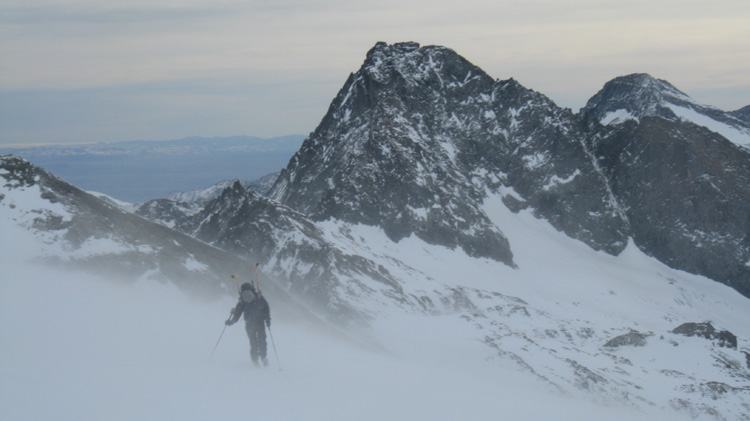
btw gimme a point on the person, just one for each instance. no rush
(257, 313)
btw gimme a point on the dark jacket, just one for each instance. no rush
(255, 310)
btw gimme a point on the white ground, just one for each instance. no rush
(77, 347)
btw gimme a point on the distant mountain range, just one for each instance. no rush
(137, 171)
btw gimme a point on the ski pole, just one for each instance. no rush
(217, 342)
(231, 313)
(274, 347)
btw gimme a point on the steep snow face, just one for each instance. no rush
(636, 96)
(738, 134)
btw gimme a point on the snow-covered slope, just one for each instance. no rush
(126, 206)
(553, 317)
(142, 352)
(76, 230)
(582, 323)
(569, 334)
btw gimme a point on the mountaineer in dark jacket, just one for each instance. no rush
(257, 313)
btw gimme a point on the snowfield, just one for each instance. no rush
(81, 348)
(78, 347)
(569, 333)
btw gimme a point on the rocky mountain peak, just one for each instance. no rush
(17, 170)
(416, 138)
(385, 153)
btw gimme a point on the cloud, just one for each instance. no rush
(296, 54)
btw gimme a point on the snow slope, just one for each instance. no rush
(80, 348)
(739, 135)
(456, 337)
(92, 349)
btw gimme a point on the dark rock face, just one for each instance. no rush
(417, 138)
(553, 170)
(742, 114)
(382, 155)
(685, 191)
(706, 330)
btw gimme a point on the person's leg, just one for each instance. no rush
(253, 336)
(262, 344)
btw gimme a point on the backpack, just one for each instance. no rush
(248, 296)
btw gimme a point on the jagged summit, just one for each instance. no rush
(434, 66)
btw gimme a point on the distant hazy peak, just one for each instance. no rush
(634, 97)
(640, 95)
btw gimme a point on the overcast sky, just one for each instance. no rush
(77, 71)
